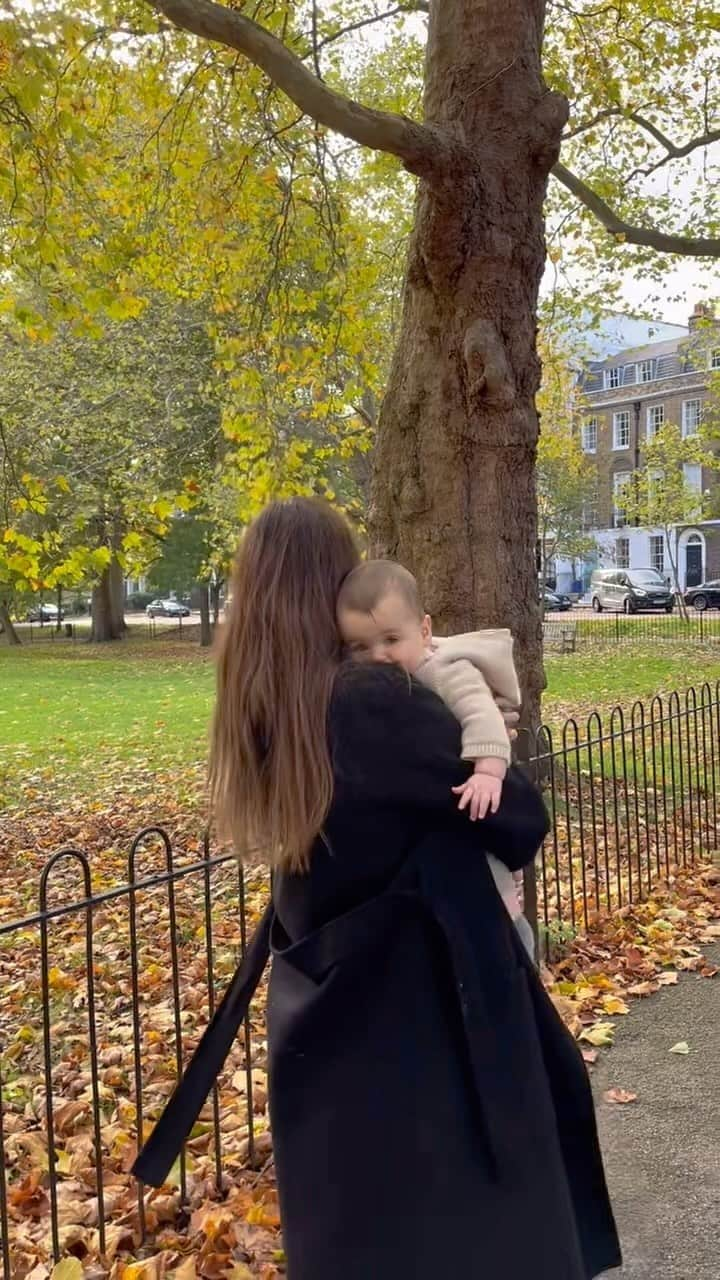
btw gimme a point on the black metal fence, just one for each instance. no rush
(569, 632)
(105, 989)
(631, 795)
(78, 630)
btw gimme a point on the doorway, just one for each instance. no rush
(693, 561)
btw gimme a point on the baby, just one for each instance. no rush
(382, 620)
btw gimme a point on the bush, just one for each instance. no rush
(139, 600)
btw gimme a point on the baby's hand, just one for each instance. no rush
(481, 793)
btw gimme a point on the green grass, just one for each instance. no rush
(85, 717)
(84, 720)
(620, 675)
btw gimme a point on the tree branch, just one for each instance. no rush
(422, 149)
(672, 150)
(691, 246)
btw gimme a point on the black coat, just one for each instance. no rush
(431, 1115)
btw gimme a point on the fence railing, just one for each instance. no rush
(630, 795)
(589, 632)
(105, 989)
(74, 630)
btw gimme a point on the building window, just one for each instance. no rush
(589, 514)
(657, 553)
(622, 553)
(590, 435)
(621, 430)
(655, 419)
(612, 378)
(691, 416)
(646, 371)
(715, 359)
(621, 479)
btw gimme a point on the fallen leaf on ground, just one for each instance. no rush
(681, 1047)
(668, 979)
(67, 1269)
(600, 1034)
(621, 1096)
(590, 1056)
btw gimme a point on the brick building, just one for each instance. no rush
(629, 395)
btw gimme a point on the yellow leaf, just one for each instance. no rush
(187, 1271)
(682, 1048)
(67, 1269)
(600, 1034)
(614, 1005)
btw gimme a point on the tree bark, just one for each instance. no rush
(117, 597)
(205, 624)
(108, 621)
(454, 489)
(215, 589)
(7, 626)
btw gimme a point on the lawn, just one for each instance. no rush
(83, 720)
(580, 683)
(88, 720)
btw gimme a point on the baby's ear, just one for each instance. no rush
(427, 629)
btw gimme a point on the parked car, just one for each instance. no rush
(556, 602)
(630, 591)
(706, 596)
(45, 613)
(167, 609)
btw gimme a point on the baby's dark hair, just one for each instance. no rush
(366, 585)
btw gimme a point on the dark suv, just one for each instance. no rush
(630, 591)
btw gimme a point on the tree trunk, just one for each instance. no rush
(454, 489)
(107, 617)
(6, 624)
(117, 597)
(674, 572)
(205, 625)
(215, 589)
(58, 601)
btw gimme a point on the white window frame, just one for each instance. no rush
(612, 378)
(715, 359)
(652, 429)
(696, 469)
(621, 413)
(643, 367)
(619, 517)
(622, 562)
(687, 429)
(657, 563)
(589, 426)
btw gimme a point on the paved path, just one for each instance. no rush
(663, 1152)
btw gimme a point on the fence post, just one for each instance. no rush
(617, 628)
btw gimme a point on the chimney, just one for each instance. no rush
(703, 314)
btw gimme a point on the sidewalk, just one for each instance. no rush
(663, 1151)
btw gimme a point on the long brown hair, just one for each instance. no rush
(271, 776)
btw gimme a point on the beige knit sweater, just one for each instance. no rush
(469, 672)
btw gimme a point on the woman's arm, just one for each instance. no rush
(397, 743)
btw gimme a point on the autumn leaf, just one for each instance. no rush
(620, 1096)
(67, 1269)
(682, 1048)
(614, 1005)
(600, 1034)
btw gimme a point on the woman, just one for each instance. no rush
(430, 1113)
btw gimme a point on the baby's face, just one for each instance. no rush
(391, 633)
